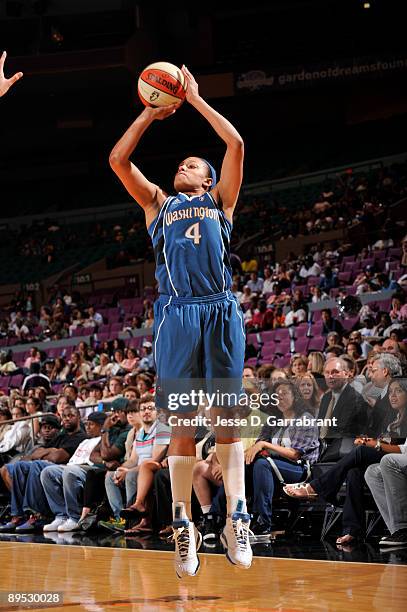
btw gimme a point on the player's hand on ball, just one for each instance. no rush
(161, 112)
(5, 84)
(192, 92)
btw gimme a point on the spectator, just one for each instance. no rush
(383, 368)
(7, 365)
(35, 379)
(352, 467)
(148, 322)
(17, 439)
(235, 290)
(104, 369)
(147, 360)
(33, 408)
(118, 432)
(5, 415)
(298, 364)
(344, 403)
(268, 283)
(309, 391)
(295, 447)
(27, 493)
(365, 347)
(131, 393)
(63, 484)
(59, 371)
(315, 362)
(318, 295)
(78, 369)
(255, 283)
(247, 295)
(130, 362)
(94, 317)
(384, 479)
(329, 280)
(151, 442)
(262, 318)
(296, 315)
(34, 357)
(329, 323)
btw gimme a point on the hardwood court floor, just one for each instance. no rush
(109, 579)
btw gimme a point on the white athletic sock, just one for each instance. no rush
(206, 509)
(181, 483)
(231, 459)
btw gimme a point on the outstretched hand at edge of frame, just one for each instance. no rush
(5, 84)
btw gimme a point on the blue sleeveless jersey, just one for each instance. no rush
(191, 241)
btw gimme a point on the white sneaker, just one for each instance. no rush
(69, 525)
(58, 520)
(187, 542)
(235, 539)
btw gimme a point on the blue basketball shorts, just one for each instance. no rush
(199, 346)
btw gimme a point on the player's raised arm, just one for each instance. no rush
(231, 175)
(5, 84)
(146, 193)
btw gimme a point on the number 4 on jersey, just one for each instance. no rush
(193, 233)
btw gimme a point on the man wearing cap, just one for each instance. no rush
(147, 361)
(112, 450)
(63, 484)
(28, 502)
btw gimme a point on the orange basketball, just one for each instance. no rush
(161, 84)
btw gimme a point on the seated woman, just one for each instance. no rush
(17, 439)
(290, 447)
(309, 391)
(352, 467)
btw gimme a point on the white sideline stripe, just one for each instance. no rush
(240, 317)
(165, 255)
(159, 215)
(221, 240)
(159, 329)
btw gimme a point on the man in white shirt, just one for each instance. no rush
(63, 484)
(255, 283)
(387, 481)
(268, 283)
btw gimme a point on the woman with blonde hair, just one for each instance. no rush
(309, 391)
(316, 362)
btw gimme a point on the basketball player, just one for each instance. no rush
(5, 84)
(199, 332)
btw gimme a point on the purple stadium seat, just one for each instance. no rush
(283, 347)
(316, 329)
(252, 339)
(348, 258)
(394, 252)
(268, 336)
(16, 381)
(103, 337)
(116, 328)
(379, 254)
(317, 343)
(344, 277)
(135, 342)
(349, 323)
(301, 330)
(301, 345)
(282, 334)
